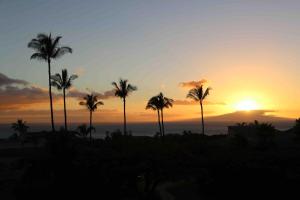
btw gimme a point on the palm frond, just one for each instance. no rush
(38, 56)
(57, 77)
(164, 102)
(131, 88)
(153, 103)
(34, 44)
(193, 94)
(56, 41)
(91, 102)
(64, 75)
(168, 102)
(73, 77)
(82, 103)
(99, 103)
(42, 36)
(206, 93)
(56, 84)
(200, 91)
(123, 83)
(123, 89)
(150, 106)
(59, 52)
(116, 87)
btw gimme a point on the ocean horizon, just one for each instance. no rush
(145, 128)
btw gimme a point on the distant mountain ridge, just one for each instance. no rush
(244, 116)
(248, 116)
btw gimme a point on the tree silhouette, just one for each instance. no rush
(21, 127)
(91, 102)
(163, 102)
(123, 90)
(63, 82)
(47, 48)
(153, 104)
(197, 94)
(84, 130)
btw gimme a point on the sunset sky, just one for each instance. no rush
(247, 51)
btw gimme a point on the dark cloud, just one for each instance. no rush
(79, 94)
(76, 94)
(5, 81)
(190, 84)
(13, 97)
(107, 94)
(188, 102)
(16, 94)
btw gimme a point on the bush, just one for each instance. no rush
(296, 128)
(239, 140)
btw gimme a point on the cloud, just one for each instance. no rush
(76, 93)
(13, 97)
(4, 81)
(189, 102)
(107, 94)
(15, 93)
(79, 94)
(190, 84)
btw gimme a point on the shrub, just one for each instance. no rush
(296, 128)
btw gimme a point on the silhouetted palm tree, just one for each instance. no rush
(84, 130)
(63, 82)
(197, 94)
(21, 127)
(91, 102)
(163, 102)
(153, 104)
(47, 48)
(123, 90)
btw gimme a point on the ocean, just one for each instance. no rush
(144, 129)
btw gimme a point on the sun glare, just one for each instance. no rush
(247, 105)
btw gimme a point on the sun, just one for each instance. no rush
(247, 105)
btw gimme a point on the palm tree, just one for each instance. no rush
(63, 82)
(197, 94)
(91, 102)
(123, 90)
(21, 127)
(153, 104)
(163, 102)
(47, 48)
(84, 130)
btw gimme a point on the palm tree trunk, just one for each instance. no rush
(162, 123)
(202, 117)
(91, 113)
(159, 125)
(50, 95)
(124, 107)
(65, 109)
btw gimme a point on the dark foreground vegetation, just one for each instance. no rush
(262, 164)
